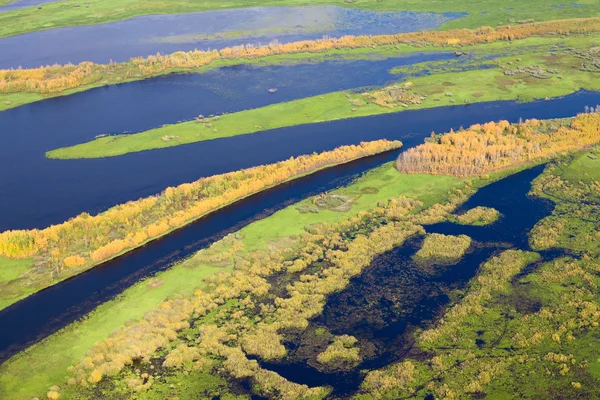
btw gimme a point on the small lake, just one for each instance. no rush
(147, 35)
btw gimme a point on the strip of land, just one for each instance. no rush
(61, 251)
(528, 69)
(58, 80)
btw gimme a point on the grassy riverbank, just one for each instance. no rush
(478, 77)
(488, 12)
(32, 372)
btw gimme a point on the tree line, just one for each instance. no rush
(87, 240)
(481, 149)
(58, 78)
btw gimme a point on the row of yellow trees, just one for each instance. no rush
(86, 240)
(56, 78)
(494, 146)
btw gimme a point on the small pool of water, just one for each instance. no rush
(146, 35)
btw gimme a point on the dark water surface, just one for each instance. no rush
(23, 4)
(147, 35)
(384, 305)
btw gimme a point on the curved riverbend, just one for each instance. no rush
(147, 35)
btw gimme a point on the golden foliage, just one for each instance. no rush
(74, 261)
(341, 354)
(123, 227)
(442, 249)
(495, 146)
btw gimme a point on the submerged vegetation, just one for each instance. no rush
(242, 315)
(526, 333)
(64, 250)
(489, 12)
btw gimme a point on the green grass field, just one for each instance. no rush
(476, 85)
(485, 12)
(585, 167)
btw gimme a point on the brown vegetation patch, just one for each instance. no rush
(395, 96)
(369, 190)
(334, 202)
(154, 283)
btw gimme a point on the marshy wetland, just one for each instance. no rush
(326, 200)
